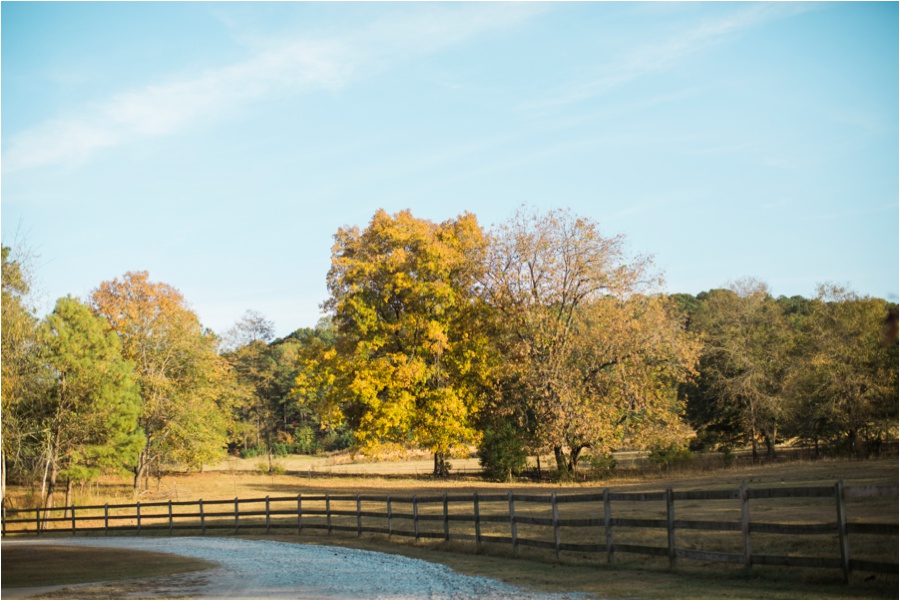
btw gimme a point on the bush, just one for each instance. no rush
(282, 449)
(305, 442)
(671, 456)
(501, 452)
(250, 452)
(603, 465)
(337, 440)
(274, 469)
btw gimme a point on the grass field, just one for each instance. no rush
(630, 576)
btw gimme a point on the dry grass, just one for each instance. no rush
(46, 565)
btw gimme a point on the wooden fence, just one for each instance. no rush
(524, 520)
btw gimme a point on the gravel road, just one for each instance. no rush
(275, 570)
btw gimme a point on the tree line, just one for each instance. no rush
(539, 336)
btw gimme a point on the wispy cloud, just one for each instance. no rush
(654, 57)
(290, 67)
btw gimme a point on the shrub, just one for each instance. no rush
(305, 442)
(501, 452)
(250, 452)
(337, 440)
(671, 456)
(603, 465)
(274, 469)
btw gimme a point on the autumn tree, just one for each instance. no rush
(254, 368)
(747, 351)
(19, 366)
(180, 375)
(590, 354)
(845, 388)
(402, 295)
(91, 406)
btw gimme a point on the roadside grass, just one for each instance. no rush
(630, 576)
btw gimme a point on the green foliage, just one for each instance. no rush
(602, 464)
(501, 452)
(184, 384)
(251, 452)
(92, 404)
(671, 456)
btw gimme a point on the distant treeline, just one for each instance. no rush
(539, 336)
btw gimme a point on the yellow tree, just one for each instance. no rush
(589, 358)
(20, 377)
(402, 292)
(177, 369)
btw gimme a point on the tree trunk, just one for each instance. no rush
(562, 466)
(770, 446)
(68, 497)
(441, 465)
(139, 470)
(2, 478)
(573, 458)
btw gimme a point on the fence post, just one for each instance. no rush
(37, 520)
(607, 524)
(138, 510)
(299, 513)
(745, 525)
(555, 507)
(670, 525)
(106, 518)
(237, 523)
(170, 517)
(842, 529)
(202, 518)
(416, 516)
(73, 519)
(390, 513)
(328, 512)
(268, 521)
(446, 520)
(477, 520)
(512, 522)
(358, 516)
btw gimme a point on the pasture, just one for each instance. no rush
(630, 576)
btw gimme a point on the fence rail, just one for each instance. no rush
(495, 519)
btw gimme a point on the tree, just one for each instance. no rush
(400, 292)
(90, 411)
(19, 367)
(254, 367)
(251, 327)
(589, 358)
(845, 387)
(748, 347)
(181, 377)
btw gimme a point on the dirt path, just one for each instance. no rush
(275, 570)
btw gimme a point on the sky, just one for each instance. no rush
(219, 146)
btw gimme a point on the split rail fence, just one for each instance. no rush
(531, 520)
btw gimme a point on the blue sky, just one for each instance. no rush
(219, 146)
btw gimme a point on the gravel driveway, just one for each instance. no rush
(253, 569)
